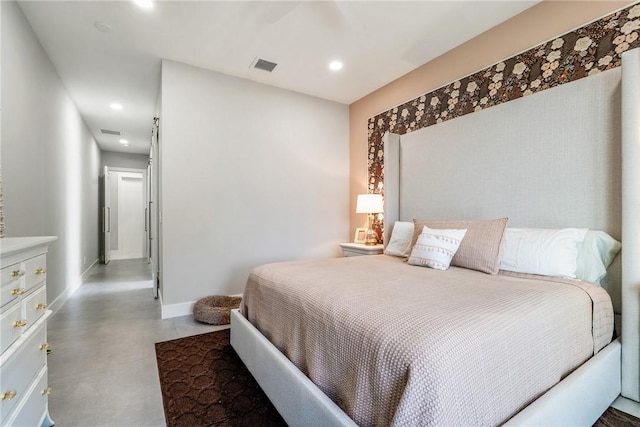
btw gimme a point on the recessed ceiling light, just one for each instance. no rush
(145, 4)
(335, 65)
(102, 26)
(116, 106)
(124, 142)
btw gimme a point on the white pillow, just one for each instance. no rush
(540, 251)
(595, 255)
(435, 248)
(400, 241)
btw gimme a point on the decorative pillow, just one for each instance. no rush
(547, 252)
(482, 244)
(400, 241)
(595, 255)
(436, 248)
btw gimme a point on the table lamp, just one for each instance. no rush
(370, 204)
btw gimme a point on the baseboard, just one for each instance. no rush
(57, 303)
(628, 406)
(121, 257)
(176, 310)
(86, 273)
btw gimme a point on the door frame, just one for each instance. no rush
(145, 200)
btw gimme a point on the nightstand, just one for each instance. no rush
(358, 249)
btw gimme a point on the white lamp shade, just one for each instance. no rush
(369, 203)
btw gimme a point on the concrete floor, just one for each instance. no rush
(103, 371)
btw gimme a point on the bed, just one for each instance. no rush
(402, 342)
(584, 135)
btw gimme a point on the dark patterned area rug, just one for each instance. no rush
(204, 383)
(615, 418)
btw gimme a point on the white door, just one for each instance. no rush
(130, 216)
(106, 217)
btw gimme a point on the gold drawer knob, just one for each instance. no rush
(46, 391)
(9, 395)
(17, 273)
(41, 306)
(19, 323)
(44, 346)
(41, 271)
(18, 291)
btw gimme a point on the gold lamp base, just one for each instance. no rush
(371, 238)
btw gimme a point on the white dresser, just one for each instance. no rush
(23, 332)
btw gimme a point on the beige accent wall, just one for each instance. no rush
(536, 25)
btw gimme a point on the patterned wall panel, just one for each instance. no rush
(591, 49)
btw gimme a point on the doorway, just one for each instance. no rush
(126, 200)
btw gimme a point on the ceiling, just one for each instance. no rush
(378, 41)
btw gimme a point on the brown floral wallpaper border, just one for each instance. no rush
(591, 49)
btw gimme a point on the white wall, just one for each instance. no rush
(250, 174)
(50, 161)
(116, 159)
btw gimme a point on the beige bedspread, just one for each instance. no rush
(394, 344)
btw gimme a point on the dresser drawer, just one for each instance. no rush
(10, 292)
(20, 370)
(9, 327)
(11, 273)
(10, 281)
(35, 305)
(36, 271)
(32, 411)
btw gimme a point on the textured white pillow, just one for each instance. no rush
(547, 252)
(595, 255)
(435, 248)
(400, 241)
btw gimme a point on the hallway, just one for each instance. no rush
(103, 371)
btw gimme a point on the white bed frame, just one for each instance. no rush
(613, 205)
(578, 400)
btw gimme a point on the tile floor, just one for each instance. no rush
(103, 371)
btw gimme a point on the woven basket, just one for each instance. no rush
(216, 309)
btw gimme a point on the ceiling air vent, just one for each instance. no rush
(262, 64)
(110, 132)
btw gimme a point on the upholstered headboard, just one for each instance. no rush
(552, 159)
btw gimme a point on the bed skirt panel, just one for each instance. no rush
(579, 399)
(295, 397)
